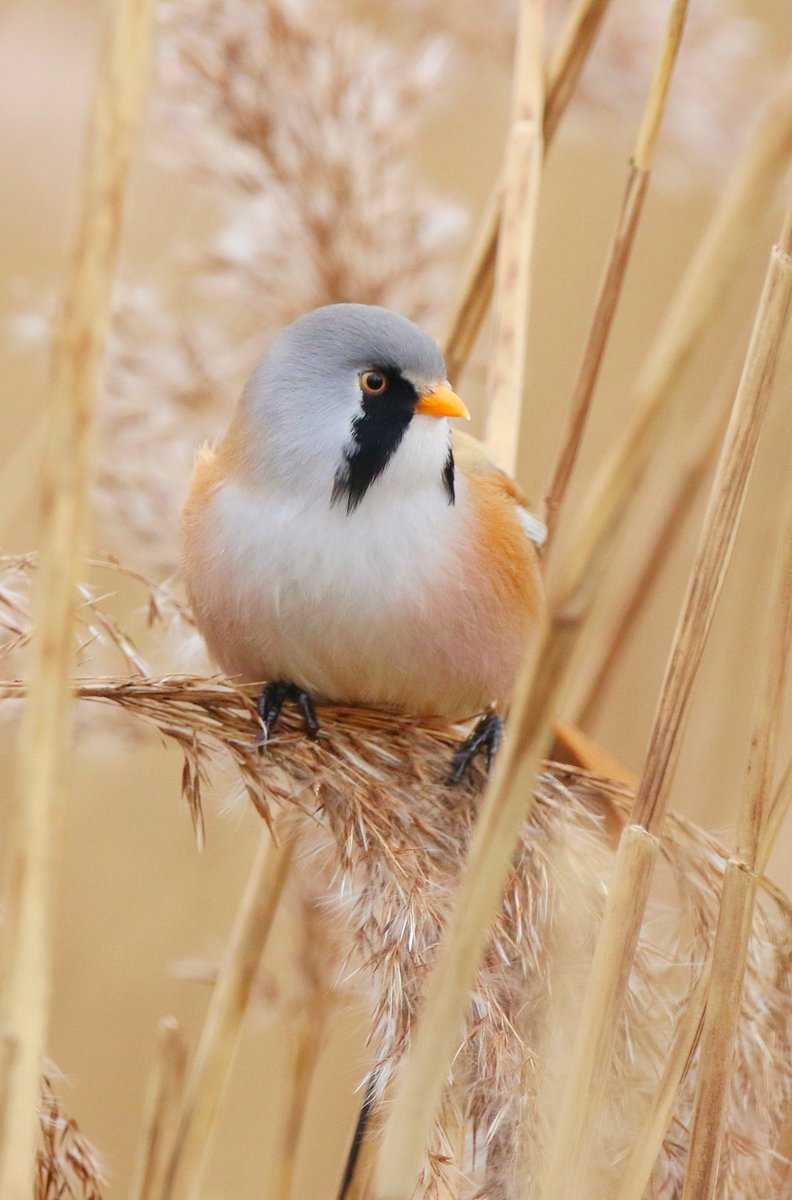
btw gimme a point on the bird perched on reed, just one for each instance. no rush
(341, 544)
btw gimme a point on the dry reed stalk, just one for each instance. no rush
(615, 267)
(697, 299)
(309, 1045)
(739, 885)
(161, 1109)
(720, 1020)
(522, 173)
(608, 636)
(506, 804)
(720, 527)
(220, 1035)
(563, 72)
(779, 807)
(475, 290)
(590, 1060)
(649, 1143)
(597, 1029)
(7, 1056)
(67, 1166)
(569, 58)
(318, 960)
(392, 841)
(45, 735)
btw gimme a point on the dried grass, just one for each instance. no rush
(67, 1166)
(485, 927)
(38, 798)
(374, 813)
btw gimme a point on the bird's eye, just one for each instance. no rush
(373, 383)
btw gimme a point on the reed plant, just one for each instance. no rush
(573, 992)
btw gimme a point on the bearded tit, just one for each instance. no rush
(342, 543)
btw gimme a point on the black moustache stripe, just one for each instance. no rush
(376, 436)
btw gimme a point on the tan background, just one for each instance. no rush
(135, 895)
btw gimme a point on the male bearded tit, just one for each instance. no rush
(342, 543)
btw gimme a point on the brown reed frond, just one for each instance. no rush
(373, 809)
(67, 1166)
(100, 638)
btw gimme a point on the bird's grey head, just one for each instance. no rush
(344, 393)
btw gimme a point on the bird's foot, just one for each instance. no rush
(272, 700)
(487, 737)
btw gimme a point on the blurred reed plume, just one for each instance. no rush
(571, 991)
(316, 200)
(67, 1166)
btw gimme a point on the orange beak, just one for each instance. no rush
(442, 402)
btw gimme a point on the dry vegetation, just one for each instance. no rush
(573, 991)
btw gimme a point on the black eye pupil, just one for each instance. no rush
(373, 381)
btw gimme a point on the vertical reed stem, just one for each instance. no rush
(698, 297)
(159, 1118)
(522, 178)
(574, 46)
(615, 266)
(424, 1070)
(739, 890)
(220, 1036)
(649, 1143)
(607, 639)
(615, 950)
(45, 737)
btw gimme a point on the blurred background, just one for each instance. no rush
(136, 896)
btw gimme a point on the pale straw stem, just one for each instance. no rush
(424, 1071)
(217, 1047)
(615, 268)
(697, 300)
(43, 759)
(522, 179)
(613, 622)
(615, 950)
(641, 1162)
(568, 60)
(739, 889)
(161, 1109)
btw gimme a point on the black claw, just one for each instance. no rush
(487, 737)
(272, 700)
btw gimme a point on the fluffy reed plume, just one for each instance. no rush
(724, 60)
(67, 1166)
(102, 642)
(373, 809)
(317, 201)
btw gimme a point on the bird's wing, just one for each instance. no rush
(472, 458)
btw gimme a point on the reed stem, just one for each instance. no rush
(613, 623)
(563, 72)
(739, 889)
(615, 268)
(616, 944)
(44, 752)
(698, 298)
(507, 801)
(220, 1036)
(162, 1105)
(517, 234)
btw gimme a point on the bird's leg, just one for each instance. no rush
(486, 736)
(272, 700)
